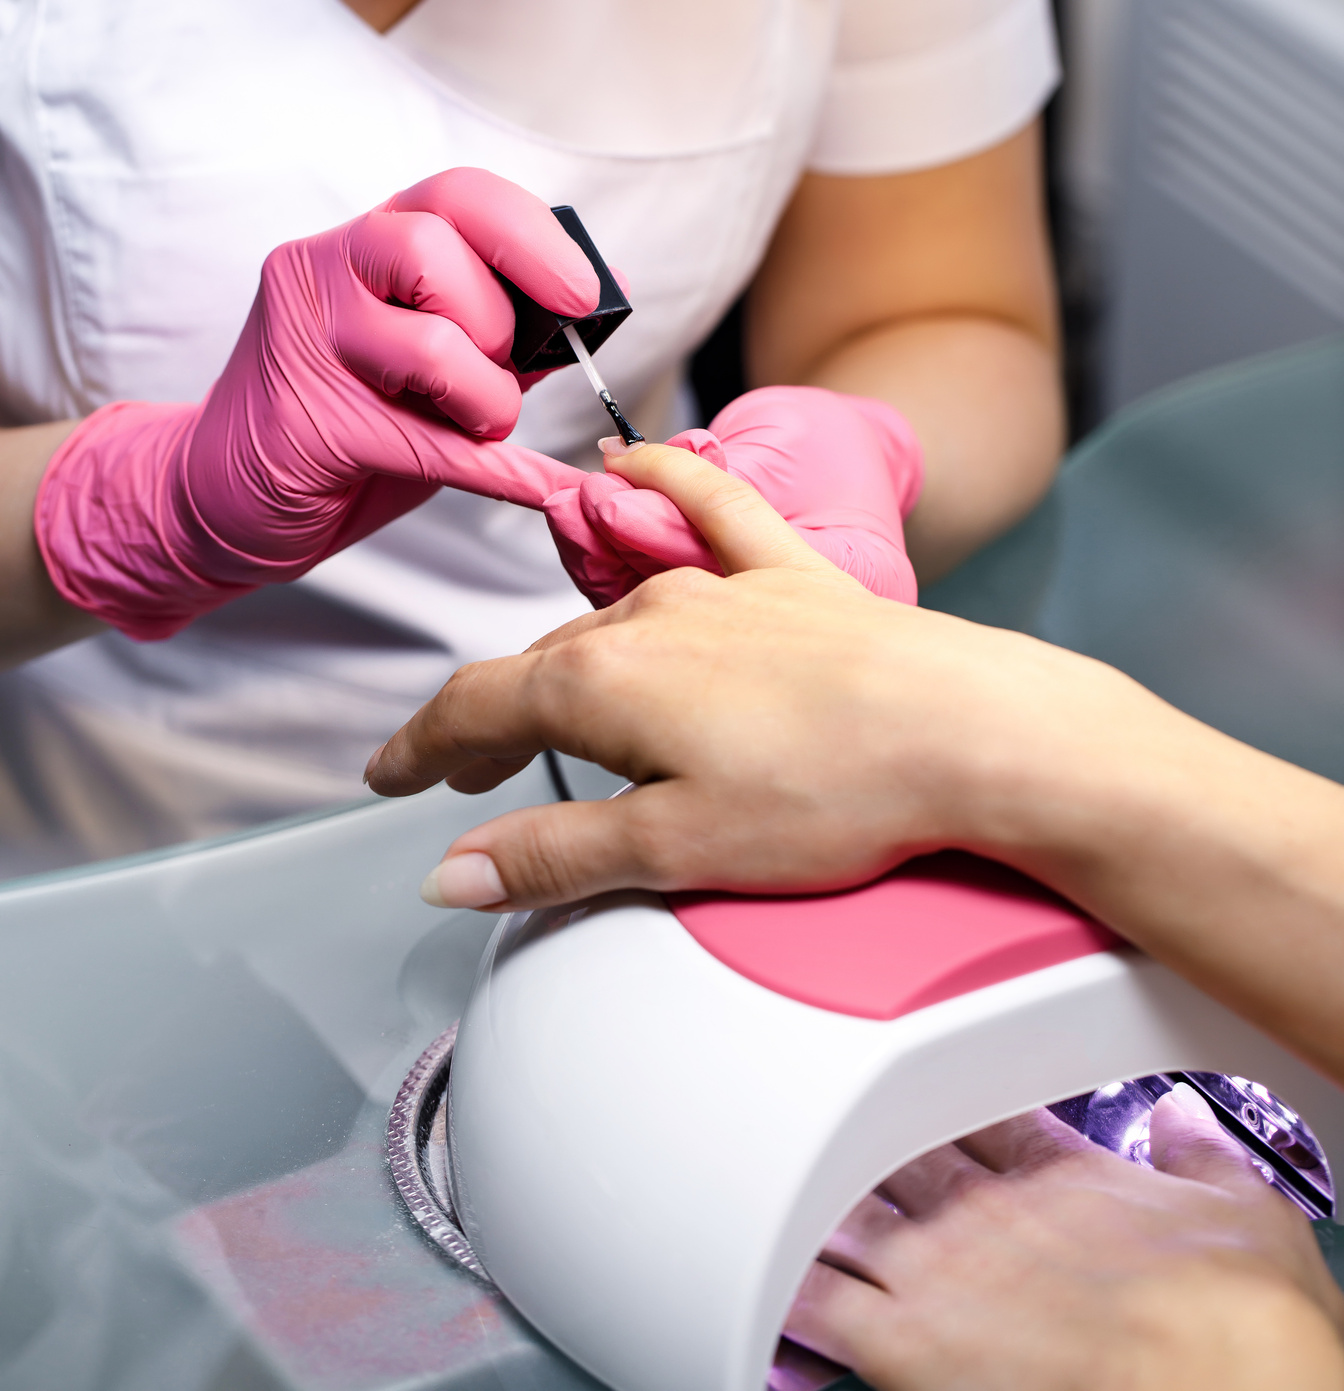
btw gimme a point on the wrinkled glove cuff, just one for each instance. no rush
(106, 518)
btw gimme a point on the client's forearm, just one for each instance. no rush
(984, 398)
(33, 616)
(1216, 858)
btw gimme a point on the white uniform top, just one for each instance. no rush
(153, 151)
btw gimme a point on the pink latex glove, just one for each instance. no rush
(331, 417)
(843, 470)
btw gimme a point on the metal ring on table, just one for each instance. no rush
(417, 1151)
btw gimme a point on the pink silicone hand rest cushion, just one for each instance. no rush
(937, 927)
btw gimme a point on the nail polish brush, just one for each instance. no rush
(543, 339)
(628, 432)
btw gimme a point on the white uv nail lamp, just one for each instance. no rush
(657, 1111)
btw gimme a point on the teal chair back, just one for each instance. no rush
(1196, 542)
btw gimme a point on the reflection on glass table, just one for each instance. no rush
(198, 1050)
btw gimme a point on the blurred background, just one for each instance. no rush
(1196, 187)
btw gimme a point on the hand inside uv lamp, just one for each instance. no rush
(1026, 1258)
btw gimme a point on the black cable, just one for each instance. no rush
(557, 773)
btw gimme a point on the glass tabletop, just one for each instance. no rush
(197, 1054)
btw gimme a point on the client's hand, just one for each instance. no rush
(844, 471)
(789, 729)
(1025, 1258)
(373, 369)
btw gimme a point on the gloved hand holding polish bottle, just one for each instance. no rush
(373, 369)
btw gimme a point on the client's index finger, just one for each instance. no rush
(486, 710)
(740, 526)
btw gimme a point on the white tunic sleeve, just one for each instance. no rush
(918, 83)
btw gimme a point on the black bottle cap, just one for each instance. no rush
(539, 341)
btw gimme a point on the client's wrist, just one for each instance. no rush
(1036, 755)
(1080, 775)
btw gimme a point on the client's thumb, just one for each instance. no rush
(557, 854)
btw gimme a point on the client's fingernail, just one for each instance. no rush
(1190, 1101)
(469, 880)
(373, 758)
(614, 444)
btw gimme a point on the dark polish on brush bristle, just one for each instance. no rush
(628, 432)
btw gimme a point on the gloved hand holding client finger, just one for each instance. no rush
(377, 364)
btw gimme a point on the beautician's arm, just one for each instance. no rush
(33, 616)
(932, 291)
(793, 731)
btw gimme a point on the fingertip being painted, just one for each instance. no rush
(614, 446)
